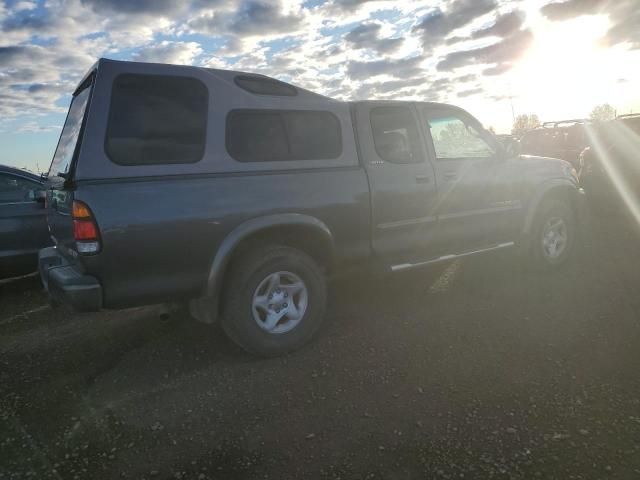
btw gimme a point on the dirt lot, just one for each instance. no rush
(476, 369)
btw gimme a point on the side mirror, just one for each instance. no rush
(511, 147)
(38, 196)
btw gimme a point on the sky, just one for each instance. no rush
(495, 58)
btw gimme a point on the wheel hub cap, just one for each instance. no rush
(554, 237)
(279, 303)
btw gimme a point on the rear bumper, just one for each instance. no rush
(66, 283)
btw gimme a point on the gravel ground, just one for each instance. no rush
(476, 369)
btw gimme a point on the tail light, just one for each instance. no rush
(85, 229)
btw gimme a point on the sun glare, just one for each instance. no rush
(566, 69)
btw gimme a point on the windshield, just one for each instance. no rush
(70, 132)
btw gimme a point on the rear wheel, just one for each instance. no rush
(274, 300)
(553, 234)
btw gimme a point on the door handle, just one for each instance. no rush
(422, 179)
(451, 176)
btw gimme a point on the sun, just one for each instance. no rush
(567, 70)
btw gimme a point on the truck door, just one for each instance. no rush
(478, 201)
(401, 179)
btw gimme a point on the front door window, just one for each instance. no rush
(453, 139)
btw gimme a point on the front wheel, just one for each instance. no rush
(274, 300)
(553, 234)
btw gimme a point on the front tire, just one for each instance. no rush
(553, 235)
(274, 301)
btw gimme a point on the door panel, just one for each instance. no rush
(23, 229)
(401, 178)
(478, 201)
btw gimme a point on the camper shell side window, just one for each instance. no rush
(262, 135)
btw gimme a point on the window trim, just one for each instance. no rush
(280, 112)
(413, 113)
(110, 112)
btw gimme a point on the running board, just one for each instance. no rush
(444, 258)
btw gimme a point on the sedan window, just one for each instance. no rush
(15, 189)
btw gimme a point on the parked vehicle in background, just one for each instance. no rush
(240, 194)
(510, 143)
(23, 226)
(610, 166)
(564, 139)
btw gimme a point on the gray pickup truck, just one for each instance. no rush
(241, 194)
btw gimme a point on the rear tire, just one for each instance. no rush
(553, 235)
(274, 300)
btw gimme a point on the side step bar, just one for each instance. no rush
(444, 258)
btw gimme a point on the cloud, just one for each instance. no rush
(470, 92)
(406, 68)
(504, 26)
(24, 20)
(497, 69)
(438, 24)
(624, 16)
(252, 18)
(35, 127)
(24, 5)
(351, 4)
(571, 8)
(260, 17)
(337, 10)
(180, 53)
(396, 86)
(503, 53)
(466, 78)
(135, 7)
(367, 35)
(7, 54)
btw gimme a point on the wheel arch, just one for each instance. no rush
(559, 189)
(304, 232)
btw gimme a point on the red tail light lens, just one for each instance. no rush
(85, 229)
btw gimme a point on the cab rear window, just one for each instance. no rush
(157, 120)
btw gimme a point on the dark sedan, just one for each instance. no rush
(23, 225)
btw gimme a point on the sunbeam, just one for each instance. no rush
(616, 157)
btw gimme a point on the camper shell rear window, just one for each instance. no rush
(157, 120)
(71, 134)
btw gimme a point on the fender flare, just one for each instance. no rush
(541, 193)
(250, 227)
